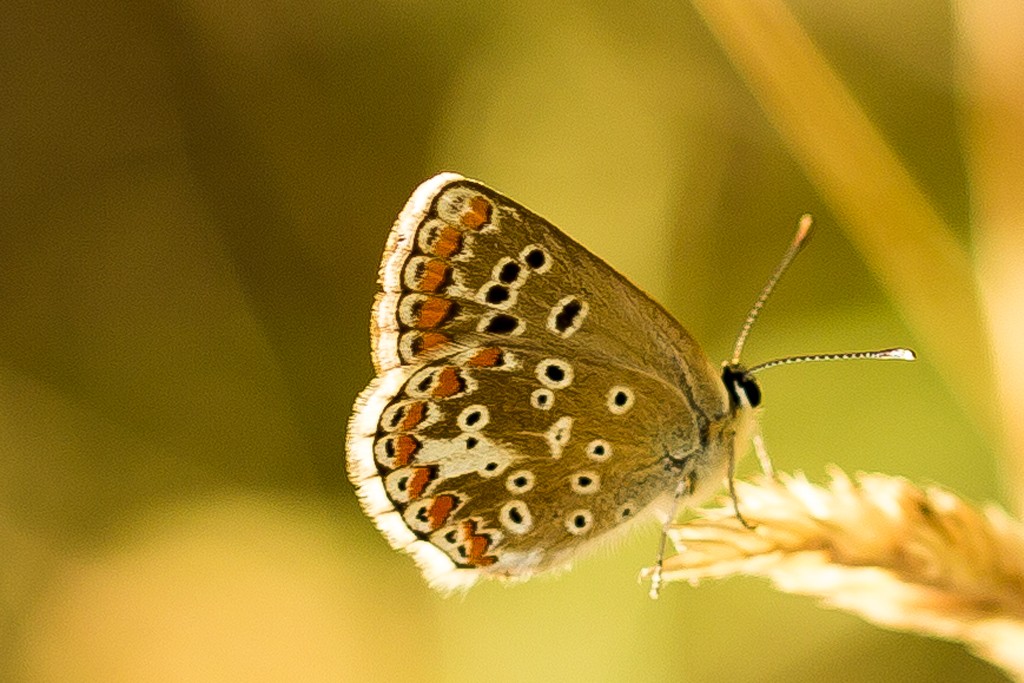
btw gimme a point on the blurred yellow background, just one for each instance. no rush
(194, 200)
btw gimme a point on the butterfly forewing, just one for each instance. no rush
(528, 397)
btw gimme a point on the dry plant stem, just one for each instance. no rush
(991, 60)
(901, 556)
(882, 209)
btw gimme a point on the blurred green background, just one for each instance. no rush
(194, 200)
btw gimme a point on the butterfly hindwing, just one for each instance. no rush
(538, 454)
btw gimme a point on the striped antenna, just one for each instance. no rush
(799, 241)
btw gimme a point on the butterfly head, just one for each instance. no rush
(742, 387)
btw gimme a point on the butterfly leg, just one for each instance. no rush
(686, 486)
(732, 491)
(762, 454)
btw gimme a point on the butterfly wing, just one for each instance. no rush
(529, 399)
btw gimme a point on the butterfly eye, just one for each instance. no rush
(752, 390)
(736, 378)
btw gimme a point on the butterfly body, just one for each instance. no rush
(530, 401)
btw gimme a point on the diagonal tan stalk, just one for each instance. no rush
(903, 557)
(878, 202)
(991, 61)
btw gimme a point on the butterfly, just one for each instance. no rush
(530, 402)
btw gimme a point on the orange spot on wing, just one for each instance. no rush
(486, 358)
(476, 545)
(419, 480)
(414, 414)
(434, 311)
(405, 447)
(431, 340)
(441, 509)
(476, 214)
(449, 383)
(422, 342)
(447, 243)
(435, 275)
